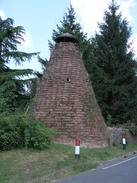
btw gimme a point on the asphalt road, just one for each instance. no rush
(121, 170)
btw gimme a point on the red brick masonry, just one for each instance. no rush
(66, 101)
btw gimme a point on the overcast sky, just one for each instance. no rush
(39, 18)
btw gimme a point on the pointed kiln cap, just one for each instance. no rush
(66, 37)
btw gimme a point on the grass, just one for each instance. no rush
(57, 162)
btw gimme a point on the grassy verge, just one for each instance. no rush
(57, 162)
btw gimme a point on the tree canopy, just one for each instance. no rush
(69, 24)
(114, 78)
(12, 86)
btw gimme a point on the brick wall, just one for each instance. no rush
(66, 101)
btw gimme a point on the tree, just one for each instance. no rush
(114, 78)
(37, 79)
(12, 91)
(70, 25)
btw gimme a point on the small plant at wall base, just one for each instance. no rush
(109, 120)
(114, 143)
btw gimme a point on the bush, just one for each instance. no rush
(132, 127)
(18, 131)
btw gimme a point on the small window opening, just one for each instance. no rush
(68, 79)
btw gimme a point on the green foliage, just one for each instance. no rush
(10, 38)
(69, 24)
(12, 87)
(109, 120)
(15, 129)
(34, 82)
(114, 72)
(132, 127)
(18, 131)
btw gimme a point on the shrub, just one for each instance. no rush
(9, 134)
(132, 127)
(18, 131)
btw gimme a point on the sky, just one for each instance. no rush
(39, 18)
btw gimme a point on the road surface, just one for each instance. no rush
(121, 170)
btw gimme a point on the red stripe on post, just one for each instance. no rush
(77, 142)
(77, 149)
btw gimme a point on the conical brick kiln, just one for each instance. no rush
(65, 99)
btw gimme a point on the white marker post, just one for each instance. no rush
(124, 141)
(77, 149)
